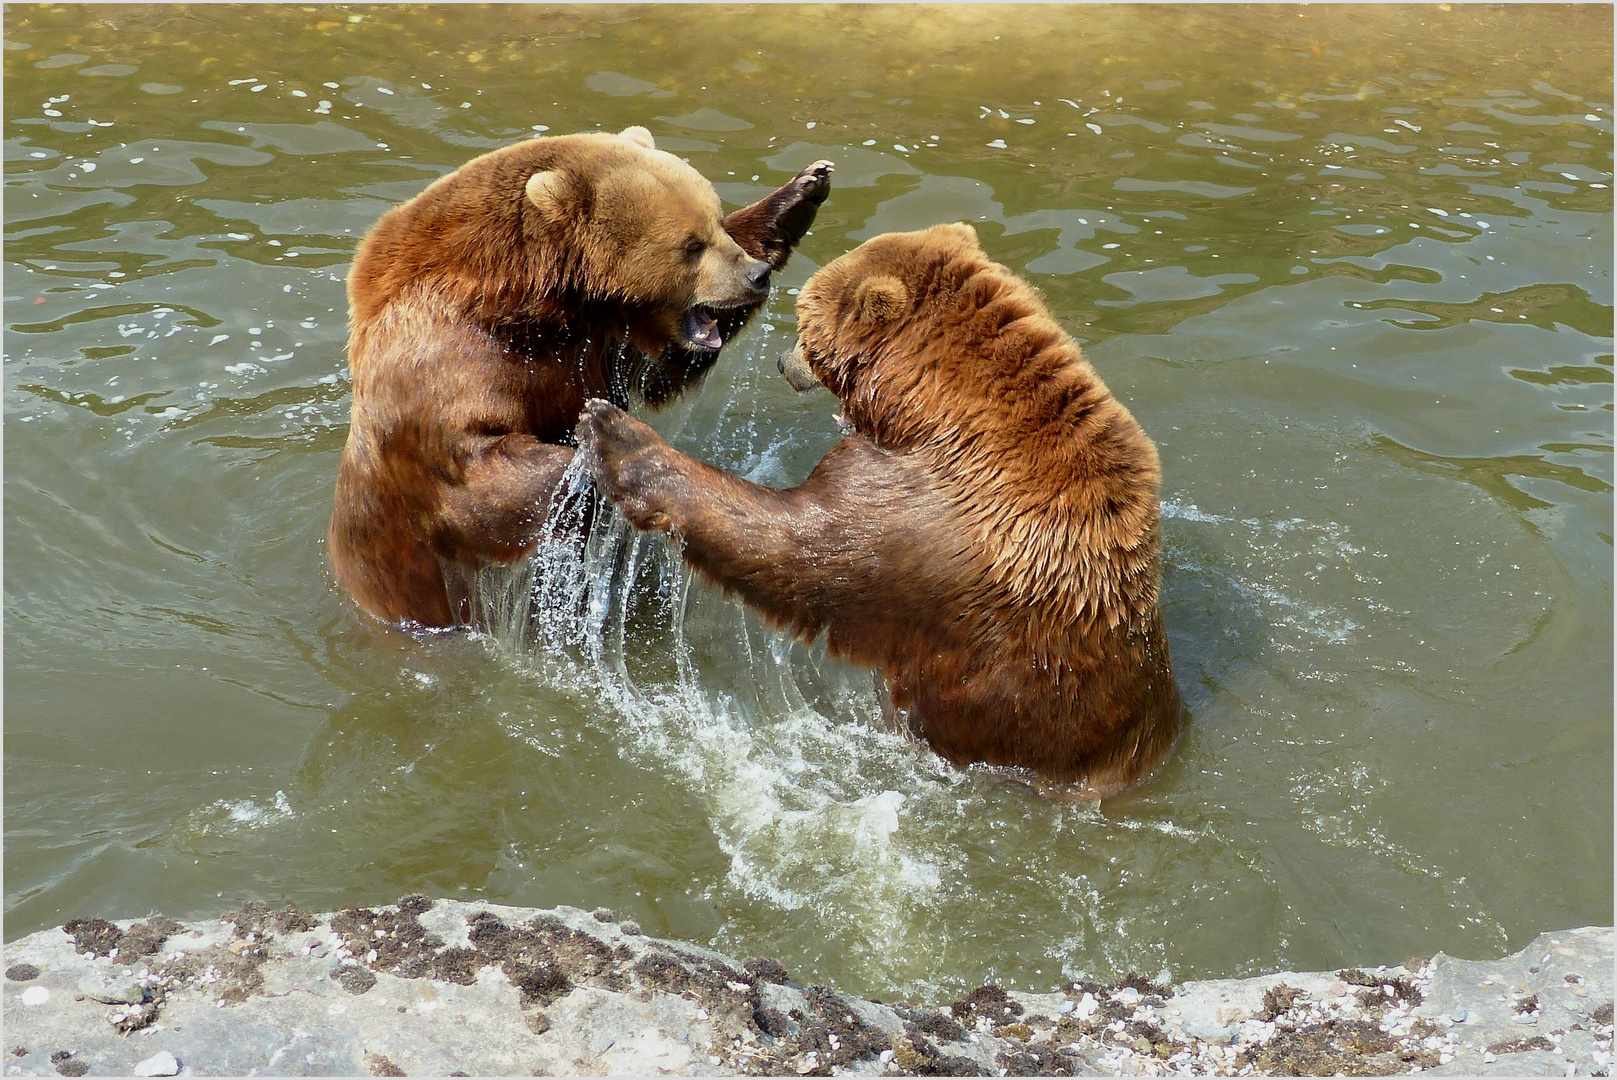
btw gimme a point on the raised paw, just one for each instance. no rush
(813, 184)
(628, 462)
(771, 227)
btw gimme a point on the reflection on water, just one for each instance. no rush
(1350, 267)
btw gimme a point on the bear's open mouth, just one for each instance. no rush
(702, 328)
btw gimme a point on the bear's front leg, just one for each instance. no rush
(725, 521)
(771, 227)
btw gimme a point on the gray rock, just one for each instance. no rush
(515, 991)
(113, 989)
(1212, 1033)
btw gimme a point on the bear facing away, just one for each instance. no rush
(487, 309)
(986, 534)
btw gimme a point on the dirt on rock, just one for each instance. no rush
(145, 938)
(762, 967)
(1041, 1061)
(1349, 1047)
(991, 1003)
(1516, 1046)
(230, 973)
(260, 920)
(931, 1022)
(96, 936)
(1277, 999)
(381, 1066)
(914, 1053)
(68, 1065)
(1382, 991)
(395, 935)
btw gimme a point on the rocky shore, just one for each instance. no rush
(448, 988)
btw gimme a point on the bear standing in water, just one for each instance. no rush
(986, 535)
(487, 309)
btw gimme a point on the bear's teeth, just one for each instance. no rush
(704, 328)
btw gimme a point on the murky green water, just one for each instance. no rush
(1351, 267)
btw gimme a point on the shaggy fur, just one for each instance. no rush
(986, 534)
(487, 309)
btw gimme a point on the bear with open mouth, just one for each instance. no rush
(986, 534)
(486, 310)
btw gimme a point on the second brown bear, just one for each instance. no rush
(986, 534)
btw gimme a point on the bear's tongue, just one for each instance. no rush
(702, 327)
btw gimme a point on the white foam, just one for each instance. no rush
(244, 814)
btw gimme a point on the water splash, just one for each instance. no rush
(821, 809)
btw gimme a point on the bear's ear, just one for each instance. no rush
(548, 191)
(880, 299)
(964, 231)
(639, 136)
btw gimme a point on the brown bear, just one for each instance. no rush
(986, 534)
(487, 309)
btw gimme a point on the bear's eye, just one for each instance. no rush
(694, 248)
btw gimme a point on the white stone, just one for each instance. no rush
(161, 1063)
(34, 995)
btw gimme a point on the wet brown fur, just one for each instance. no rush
(487, 309)
(987, 533)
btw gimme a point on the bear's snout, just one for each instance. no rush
(795, 366)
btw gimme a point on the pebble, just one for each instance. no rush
(1065, 1007)
(34, 995)
(1087, 1006)
(1460, 1014)
(161, 1063)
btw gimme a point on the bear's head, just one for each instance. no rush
(917, 331)
(644, 229)
(942, 354)
(583, 227)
